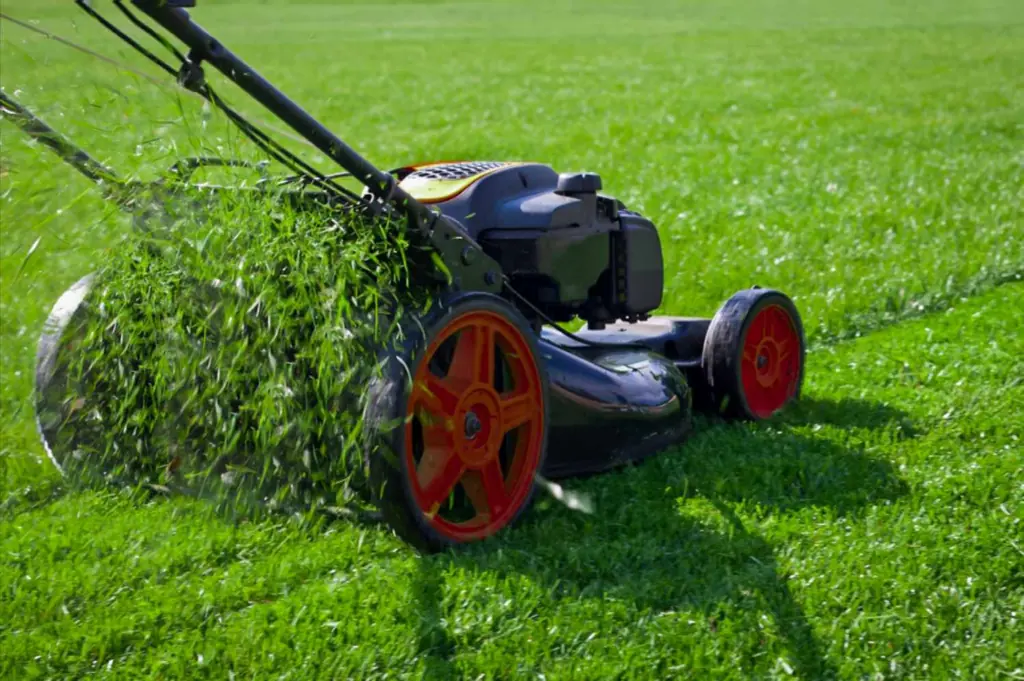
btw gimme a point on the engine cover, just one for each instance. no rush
(572, 251)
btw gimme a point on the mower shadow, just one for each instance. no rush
(642, 546)
(848, 413)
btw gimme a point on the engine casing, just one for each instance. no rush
(572, 251)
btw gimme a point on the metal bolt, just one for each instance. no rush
(473, 425)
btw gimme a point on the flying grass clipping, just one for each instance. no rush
(227, 353)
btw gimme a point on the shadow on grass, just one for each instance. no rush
(848, 413)
(679, 532)
(668, 535)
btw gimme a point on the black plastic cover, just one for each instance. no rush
(571, 184)
(643, 274)
(609, 406)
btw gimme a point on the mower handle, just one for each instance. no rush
(203, 47)
(466, 265)
(72, 154)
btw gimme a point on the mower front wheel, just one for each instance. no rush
(467, 400)
(753, 357)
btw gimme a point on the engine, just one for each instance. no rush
(570, 250)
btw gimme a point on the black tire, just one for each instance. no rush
(386, 411)
(723, 356)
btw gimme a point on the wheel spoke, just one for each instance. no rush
(486, 490)
(473, 485)
(517, 410)
(494, 487)
(436, 396)
(438, 471)
(438, 431)
(473, 360)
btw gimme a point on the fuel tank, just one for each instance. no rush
(609, 405)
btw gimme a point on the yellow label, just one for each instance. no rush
(434, 190)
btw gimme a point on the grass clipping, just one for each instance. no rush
(228, 355)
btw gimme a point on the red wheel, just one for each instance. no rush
(754, 354)
(475, 427)
(770, 367)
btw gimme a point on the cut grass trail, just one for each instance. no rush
(865, 157)
(876, 529)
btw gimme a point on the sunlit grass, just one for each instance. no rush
(865, 158)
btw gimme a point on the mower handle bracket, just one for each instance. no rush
(191, 75)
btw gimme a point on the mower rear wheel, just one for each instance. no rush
(55, 399)
(753, 356)
(474, 416)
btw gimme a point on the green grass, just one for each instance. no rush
(234, 364)
(866, 158)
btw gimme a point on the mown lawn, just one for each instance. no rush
(865, 157)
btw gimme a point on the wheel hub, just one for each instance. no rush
(481, 429)
(767, 362)
(473, 425)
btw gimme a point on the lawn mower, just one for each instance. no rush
(494, 393)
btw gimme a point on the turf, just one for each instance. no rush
(864, 157)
